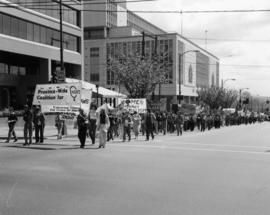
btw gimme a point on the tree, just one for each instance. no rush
(138, 74)
(216, 97)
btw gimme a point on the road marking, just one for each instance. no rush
(191, 149)
(10, 194)
(221, 145)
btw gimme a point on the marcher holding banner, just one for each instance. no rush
(136, 124)
(59, 124)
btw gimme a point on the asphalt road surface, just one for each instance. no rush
(224, 171)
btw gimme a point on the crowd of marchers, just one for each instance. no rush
(106, 126)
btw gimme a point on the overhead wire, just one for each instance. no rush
(65, 2)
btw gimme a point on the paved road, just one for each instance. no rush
(218, 172)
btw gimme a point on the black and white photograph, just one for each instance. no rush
(134, 107)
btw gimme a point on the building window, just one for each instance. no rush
(33, 32)
(51, 8)
(14, 70)
(94, 77)
(3, 68)
(94, 64)
(6, 24)
(30, 31)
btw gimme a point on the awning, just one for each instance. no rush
(101, 90)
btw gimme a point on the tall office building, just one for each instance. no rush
(110, 28)
(30, 46)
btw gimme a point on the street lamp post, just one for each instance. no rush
(229, 79)
(181, 60)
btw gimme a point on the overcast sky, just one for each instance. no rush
(240, 40)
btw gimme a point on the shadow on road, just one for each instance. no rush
(47, 147)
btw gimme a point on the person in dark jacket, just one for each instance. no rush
(92, 117)
(82, 127)
(12, 119)
(149, 120)
(126, 121)
(39, 123)
(28, 126)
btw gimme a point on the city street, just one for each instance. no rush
(219, 172)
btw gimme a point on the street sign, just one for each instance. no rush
(61, 74)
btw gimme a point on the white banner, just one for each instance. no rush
(64, 98)
(138, 105)
(58, 94)
(86, 98)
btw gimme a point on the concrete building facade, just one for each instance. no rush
(30, 41)
(107, 33)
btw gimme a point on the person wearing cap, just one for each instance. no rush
(28, 127)
(12, 119)
(39, 123)
(82, 127)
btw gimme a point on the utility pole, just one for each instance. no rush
(143, 44)
(62, 68)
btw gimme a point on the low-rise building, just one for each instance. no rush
(114, 28)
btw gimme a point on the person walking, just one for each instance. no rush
(28, 126)
(39, 123)
(149, 119)
(12, 119)
(136, 124)
(82, 127)
(126, 120)
(103, 124)
(203, 122)
(59, 124)
(179, 123)
(92, 117)
(164, 123)
(110, 133)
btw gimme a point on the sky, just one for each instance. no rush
(240, 40)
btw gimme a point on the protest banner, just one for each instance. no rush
(86, 97)
(63, 98)
(58, 94)
(131, 105)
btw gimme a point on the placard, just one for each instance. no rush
(132, 105)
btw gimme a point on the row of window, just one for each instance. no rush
(90, 34)
(15, 69)
(164, 52)
(94, 64)
(51, 8)
(19, 28)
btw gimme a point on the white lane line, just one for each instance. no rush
(221, 145)
(174, 144)
(191, 149)
(10, 194)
